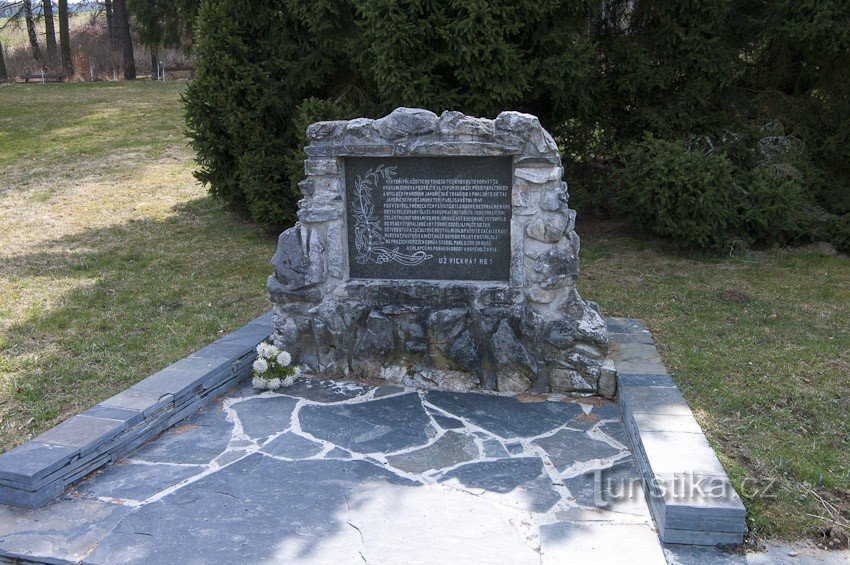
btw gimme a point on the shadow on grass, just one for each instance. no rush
(122, 302)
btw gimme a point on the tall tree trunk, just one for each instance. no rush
(36, 51)
(49, 30)
(110, 23)
(154, 63)
(123, 28)
(4, 75)
(65, 38)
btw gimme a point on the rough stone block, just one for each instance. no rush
(405, 122)
(539, 175)
(321, 167)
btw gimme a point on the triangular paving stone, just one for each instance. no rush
(495, 449)
(187, 443)
(521, 482)
(503, 415)
(688, 554)
(616, 431)
(264, 416)
(451, 449)
(447, 423)
(383, 425)
(566, 448)
(607, 411)
(292, 446)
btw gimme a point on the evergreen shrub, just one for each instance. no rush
(686, 196)
(747, 103)
(703, 200)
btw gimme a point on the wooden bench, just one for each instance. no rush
(43, 77)
(178, 69)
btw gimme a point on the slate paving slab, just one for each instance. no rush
(617, 488)
(505, 416)
(243, 513)
(134, 480)
(523, 479)
(387, 424)
(567, 447)
(263, 416)
(343, 473)
(600, 544)
(292, 446)
(449, 450)
(187, 443)
(63, 530)
(332, 391)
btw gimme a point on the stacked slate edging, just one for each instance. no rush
(689, 494)
(41, 469)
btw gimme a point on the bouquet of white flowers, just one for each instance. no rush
(273, 368)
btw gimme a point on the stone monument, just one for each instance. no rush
(438, 252)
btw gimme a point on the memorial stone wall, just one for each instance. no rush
(438, 251)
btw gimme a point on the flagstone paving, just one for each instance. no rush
(329, 472)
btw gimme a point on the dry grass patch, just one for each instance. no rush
(113, 261)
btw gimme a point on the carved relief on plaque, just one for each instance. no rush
(429, 217)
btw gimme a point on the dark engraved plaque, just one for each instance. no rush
(430, 218)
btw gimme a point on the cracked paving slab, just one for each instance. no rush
(340, 472)
(387, 424)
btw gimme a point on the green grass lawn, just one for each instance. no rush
(114, 263)
(759, 343)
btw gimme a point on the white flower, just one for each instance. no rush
(284, 358)
(258, 383)
(267, 351)
(289, 381)
(274, 384)
(296, 371)
(271, 352)
(261, 365)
